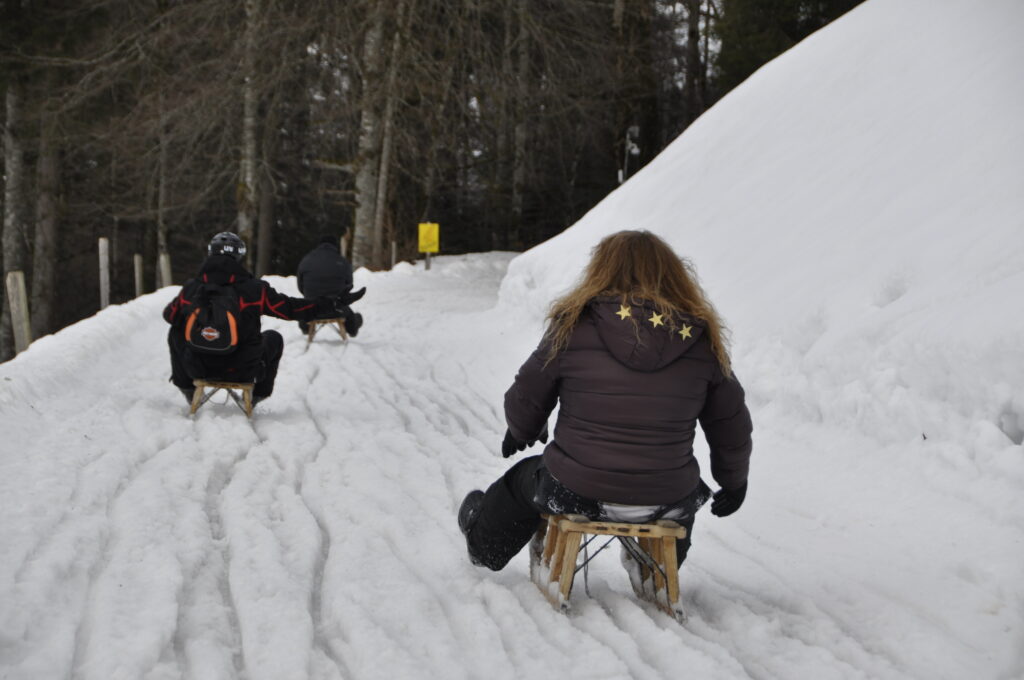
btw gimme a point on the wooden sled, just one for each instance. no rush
(242, 397)
(556, 546)
(315, 324)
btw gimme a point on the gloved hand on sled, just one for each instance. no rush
(726, 501)
(340, 308)
(326, 307)
(341, 301)
(349, 297)
(511, 445)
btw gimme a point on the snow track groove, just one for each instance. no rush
(320, 636)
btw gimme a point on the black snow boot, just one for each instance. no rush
(189, 393)
(469, 510)
(353, 323)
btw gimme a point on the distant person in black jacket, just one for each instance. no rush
(325, 271)
(249, 354)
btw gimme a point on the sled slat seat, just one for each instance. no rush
(240, 393)
(556, 545)
(315, 324)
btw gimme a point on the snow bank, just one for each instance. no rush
(855, 210)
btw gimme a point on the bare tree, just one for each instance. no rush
(370, 132)
(15, 235)
(44, 255)
(387, 134)
(695, 78)
(247, 181)
(522, 85)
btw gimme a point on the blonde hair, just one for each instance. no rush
(638, 265)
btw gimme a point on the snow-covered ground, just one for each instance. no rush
(855, 211)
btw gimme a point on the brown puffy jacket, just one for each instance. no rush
(631, 394)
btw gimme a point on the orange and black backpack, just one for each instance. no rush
(212, 326)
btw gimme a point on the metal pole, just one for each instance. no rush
(18, 299)
(137, 259)
(104, 273)
(394, 253)
(427, 268)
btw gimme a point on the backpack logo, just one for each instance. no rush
(212, 327)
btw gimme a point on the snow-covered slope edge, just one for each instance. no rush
(855, 209)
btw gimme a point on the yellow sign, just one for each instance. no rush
(430, 237)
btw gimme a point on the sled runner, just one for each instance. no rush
(243, 396)
(315, 325)
(652, 547)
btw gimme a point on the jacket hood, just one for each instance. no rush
(222, 270)
(638, 337)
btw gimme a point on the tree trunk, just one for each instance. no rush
(247, 187)
(502, 182)
(519, 136)
(369, 144)
(15, 235)
(388, 125)
(694, 85)
(45, 250)
(266, 232)
(161, 191)
(430, 181)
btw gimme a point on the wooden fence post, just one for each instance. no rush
(104, 273)
(18, 299)
(137, 260)
(164, 264)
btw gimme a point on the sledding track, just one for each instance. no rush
(318, 540)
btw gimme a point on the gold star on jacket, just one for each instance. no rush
(624, 312)
(656, 319)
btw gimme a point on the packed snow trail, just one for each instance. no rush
(318, 540)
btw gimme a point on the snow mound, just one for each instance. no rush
(856, 212)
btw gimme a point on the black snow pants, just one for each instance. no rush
(512, 506)
(241, 366)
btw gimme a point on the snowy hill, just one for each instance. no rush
(854, 210)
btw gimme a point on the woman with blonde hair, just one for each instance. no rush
(636, 356)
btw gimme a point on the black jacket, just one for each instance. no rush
(631, 395)
(255, 298)
(323, 271)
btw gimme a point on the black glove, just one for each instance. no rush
(726, 501)
(510, 445)
(349, 297)
(326, 307)
(340, 308)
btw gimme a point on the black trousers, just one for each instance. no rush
(241, 366)
(512, 507)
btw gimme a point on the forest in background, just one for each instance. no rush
(157, 123)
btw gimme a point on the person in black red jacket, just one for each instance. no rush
(257, 354)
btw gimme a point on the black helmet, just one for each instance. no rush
(226, 243)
